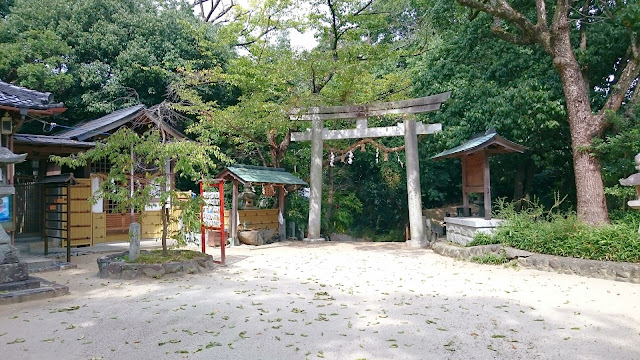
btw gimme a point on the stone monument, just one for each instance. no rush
(634, 180)
(135, 231)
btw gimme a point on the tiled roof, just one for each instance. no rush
(102, 124)
(479, 143)
(260, 174)
(469, 145)
(20, 97)
(50, 140)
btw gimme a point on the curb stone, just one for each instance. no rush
(112, 267)
(610, 270)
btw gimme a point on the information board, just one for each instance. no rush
(212, 213)
(211, 209)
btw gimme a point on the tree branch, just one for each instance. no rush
(222, 13)
(363, 8)
(627, 78)
(502, 10)
(215, 4)
(541, 12)
(498, 31)
(260, 36)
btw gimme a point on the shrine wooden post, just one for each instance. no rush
(410, 129)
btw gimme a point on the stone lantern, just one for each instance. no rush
(248, 197)
(634, 180)
(8, 253)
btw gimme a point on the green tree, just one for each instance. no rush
(100, 55)
(578, 36)
(127, 151)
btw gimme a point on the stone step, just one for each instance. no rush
(46, 290)
(24, 248)
(20, 285)
(37, 247)
(57, 266)
(37, 262)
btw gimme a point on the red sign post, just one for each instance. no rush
(212, 213)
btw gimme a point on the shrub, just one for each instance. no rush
(563, 234)
(489, 258)
(483, 239)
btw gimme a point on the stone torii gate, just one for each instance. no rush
(409, 128)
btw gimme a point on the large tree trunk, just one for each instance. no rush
(584, 126)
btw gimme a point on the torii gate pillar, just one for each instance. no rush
(414, 194)
(315, 201)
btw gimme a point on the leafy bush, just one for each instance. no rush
(156, 256)
(564, 234)
(483, 239)
(490, 258)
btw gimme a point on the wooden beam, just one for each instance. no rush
(361, 131)
(50, 111)
(411, 106)
(357, 114)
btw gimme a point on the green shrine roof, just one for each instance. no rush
(260, 175)
(491, 139)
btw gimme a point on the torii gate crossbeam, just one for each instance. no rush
(317, 134)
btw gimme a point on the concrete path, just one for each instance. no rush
(331, 301)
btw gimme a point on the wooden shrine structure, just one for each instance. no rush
(273, 178)
(409, 128)
(476, 174)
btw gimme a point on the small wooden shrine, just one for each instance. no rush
(271, 179)
(475, 155)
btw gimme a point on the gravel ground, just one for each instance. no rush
(332, 301)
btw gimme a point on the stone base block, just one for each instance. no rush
(45, 290)
(313, 240)
(462, 230)
(31, 283)
(13, 272)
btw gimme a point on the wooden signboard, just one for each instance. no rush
(212, 213)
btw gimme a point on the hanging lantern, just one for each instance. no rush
(7, 124)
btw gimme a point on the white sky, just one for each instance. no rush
(299, 41)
